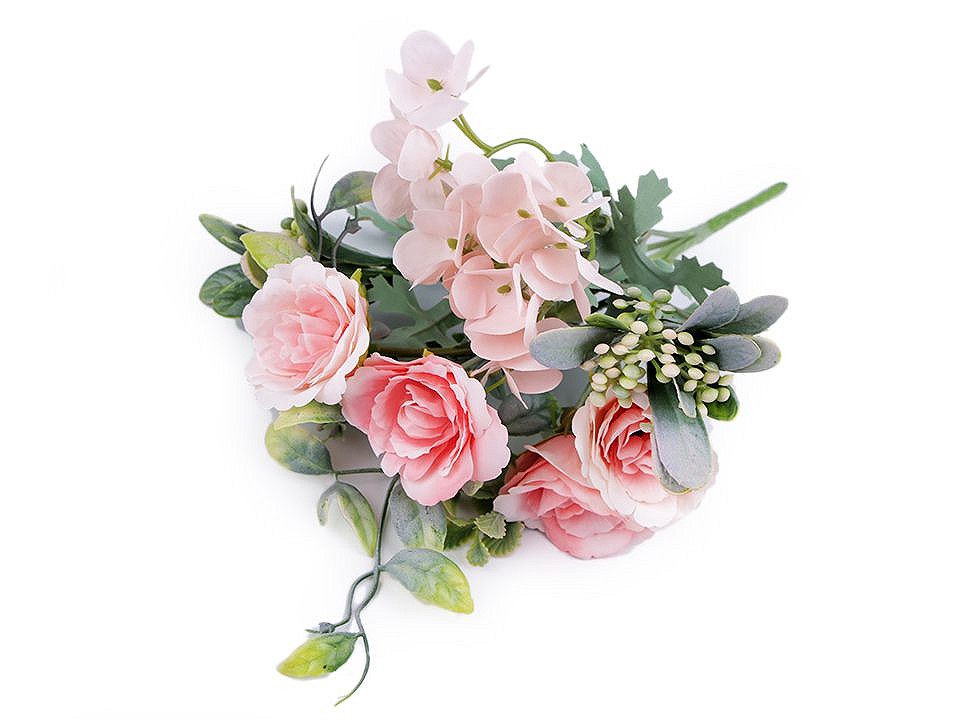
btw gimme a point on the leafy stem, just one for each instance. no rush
(489, 150)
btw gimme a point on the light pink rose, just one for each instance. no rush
(428, 91)
(430, 421)
(546, 491)
(309, 328)
(615, 449)
(410, 180)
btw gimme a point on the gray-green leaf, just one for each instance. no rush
(299, 448)
(769, 356)
(602, 320)
(416, 525)
(227, 291)
(355, 509)
(477, 554)
(269, 248)
(566, 348)
(594, 171)
(432, 578)
(756, 316)
(226, 232)
(735, 352)
(719, 308)
(352, 189)
(501, 547)
(319, 656)
(682, 443)
(312, 412)
(540, 413)
(491, 524)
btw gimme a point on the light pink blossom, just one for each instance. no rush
(431, 423)
(546, 490)
(309, 328)
(410, 179)
(615, 447)
(428, 91)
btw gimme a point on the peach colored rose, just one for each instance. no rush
(615, 449)
(309, 328)
(547, 491)
(431, 423)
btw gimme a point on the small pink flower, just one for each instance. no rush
(615, 448)
(562, 190)
(546, 490)
(440, 239)
(428, 92)
(410, 179)
(309, 328)
(431, 423)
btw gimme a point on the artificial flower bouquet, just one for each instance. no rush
(545, 274)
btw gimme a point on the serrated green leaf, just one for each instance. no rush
(682, 443)
(355, 509)
(491, 524)
(564, 156)
(457, 535)
(594, 171)
(431, 324)
(478, 555)
(227, 291)
(299, 448)
(695, 278)
(226, 232)
(432, 578)
(352, 189)
(566, 348)
(726, 410)
(417, 526)
(319, 656)
(312, 412)
(269, 248)
(508, 543)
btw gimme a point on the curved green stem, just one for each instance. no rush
(488, 149)
(359, 471)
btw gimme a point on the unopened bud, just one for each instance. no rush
(642, 306)
(602, 349)
(598, 398)
(695, 373)
(708, 350)
(634, 292)
(620, 304)
(619, 349)
(612, 372)
(671, 370)
(662, 295)
(685, 338)
(668, 348)
(693, 358)
(599, 379)
(607, 361)
(709, 395)
(588, 365)
(632, 371)
(628, 383)
(711, 377)
(690, 385)
(639, 327)
(669, 334)
(646, 355)
(723, 394)
(725, 380)
(629, 340)
(655, 325)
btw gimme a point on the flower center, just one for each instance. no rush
(434, 85)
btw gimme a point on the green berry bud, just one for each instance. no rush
(628, 383)
(632, 371)
(711, 377)
(612, 372)
(693, 358)
(668, 348)
(597, 398)
(599, 379)
(607, 361)
(662, 296)
(639, 327)
(671, 370)
(695, 373)
(709, 395)
(708, 350)
(646, 355)
(602, 349)
(655, 325)
(723, 394)
(690, 385)
(620, 304)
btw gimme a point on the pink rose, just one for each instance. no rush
(431, 422)
(615, 449)
(309, 328)
(547, 491)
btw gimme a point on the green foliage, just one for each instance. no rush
(319, 656)
(352, 189)
(566, 348)
(226, 232)
(726, 409)
(539, 414)
(299, 448)
(769, 356)
(756, 315)
(457, 535)
(393, 228)
(431, 577)
(501, 547)
(682, 444)
(491, 524)
(227, 291)
(477, 553)
(431, 324)
(602, 320)
(355, 509)
(735, 352)
(418, 526)
(594, 171)
(312, 412)
(268, 248)
(718, 308)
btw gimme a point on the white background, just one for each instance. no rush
(156, 563)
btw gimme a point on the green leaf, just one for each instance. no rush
(224, 231)
(756, 315)
(769, 356)
(726, 410)
(594, 171)
(305, 222)
(718, 308)
(477, 554)
(602, 320)
(429, 324)
(417, 526)
(393, 228)
(491, 524)
(651, 191)
(508, 543)
(255, 274)
(355, 509)
(227, 291)
(319, 656)
(269, 248)
(457, 535)
(564, 156)
(735, 352)
(566, 348)
(299, 448)
(695, 278)
(432, 578)
(312, 412)
(541, 413)
(352, 189)
(682, 443)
